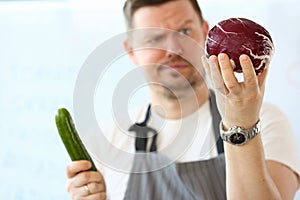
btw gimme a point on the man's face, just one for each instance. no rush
(168, 45)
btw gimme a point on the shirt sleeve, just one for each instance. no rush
(278, 139)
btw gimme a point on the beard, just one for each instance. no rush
(178, 84)
(178, 90)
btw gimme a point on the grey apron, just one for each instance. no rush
(200, 180)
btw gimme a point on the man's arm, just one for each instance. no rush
(248, 174)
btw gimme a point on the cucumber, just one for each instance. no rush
(70, 137)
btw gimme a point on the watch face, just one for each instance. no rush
(237, 138)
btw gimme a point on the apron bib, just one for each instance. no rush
(199, 180)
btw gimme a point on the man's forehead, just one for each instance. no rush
(169, 15)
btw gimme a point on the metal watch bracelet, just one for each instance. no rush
(238, 135)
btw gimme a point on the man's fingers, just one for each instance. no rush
(96, 187)
(91, 188)
(98, 196)
(83, 193)
(250, 78)
(87, 177)
(229, 78)
(216, 76)
(86, 184)
(205, 65)
(262, 77)
(77, 166)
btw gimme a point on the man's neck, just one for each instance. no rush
(172, 108)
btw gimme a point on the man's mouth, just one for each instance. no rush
(178, 65)
(175, 66)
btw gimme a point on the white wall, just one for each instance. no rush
(42, 47)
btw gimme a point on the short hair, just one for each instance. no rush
(131, 6)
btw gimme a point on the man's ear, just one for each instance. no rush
(205, 27)
(129, 49)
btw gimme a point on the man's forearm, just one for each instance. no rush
(247, 176)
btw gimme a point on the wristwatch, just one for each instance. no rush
(237, 135)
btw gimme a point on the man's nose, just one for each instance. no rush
(174, 46)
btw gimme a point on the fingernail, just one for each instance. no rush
(88, 164)
(211, 58)
(244, 57)
(222, 56)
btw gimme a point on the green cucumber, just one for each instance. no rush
(70, 137)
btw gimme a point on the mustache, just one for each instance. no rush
(174, 59)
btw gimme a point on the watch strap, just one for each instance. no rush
(248, 134)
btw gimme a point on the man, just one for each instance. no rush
(265, 167)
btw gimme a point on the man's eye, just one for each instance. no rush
(185, 31)
(154, 39)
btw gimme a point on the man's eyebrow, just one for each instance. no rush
(186, 22)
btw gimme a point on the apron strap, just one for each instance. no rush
(142, 133)
(216, 121)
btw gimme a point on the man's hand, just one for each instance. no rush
(239, 103)
(83, 184)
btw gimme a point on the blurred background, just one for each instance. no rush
(43, 45)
